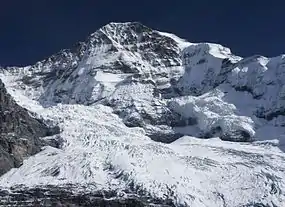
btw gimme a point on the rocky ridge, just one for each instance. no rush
(139, 72)
(20, 132)
(127, 83)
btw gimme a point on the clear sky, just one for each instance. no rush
(35, 29)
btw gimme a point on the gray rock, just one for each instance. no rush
(64, 196)
(19, 132)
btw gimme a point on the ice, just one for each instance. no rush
(100, 150)
(211, 111)
(182, 44)
(104, 152)
(81, 71)
(91, 98)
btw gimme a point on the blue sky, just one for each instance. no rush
(32, 30)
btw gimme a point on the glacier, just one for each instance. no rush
(147, 112)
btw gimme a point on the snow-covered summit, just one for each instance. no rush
(137, 70)
(132, 102)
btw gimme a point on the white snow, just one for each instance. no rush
(182, 44)
(81, 71)
(100, 149)
(108, 77)
(211, 111)
(198, 171)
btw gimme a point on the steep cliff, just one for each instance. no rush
(19, 132)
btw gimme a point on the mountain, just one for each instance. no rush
(148, 118)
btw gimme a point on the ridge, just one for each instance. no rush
(146, 113)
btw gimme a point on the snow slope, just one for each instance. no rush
(103, 152)
(127, 87)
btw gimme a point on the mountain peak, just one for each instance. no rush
(124, 24)
(121, 26)
(127, 87)
(126, 33)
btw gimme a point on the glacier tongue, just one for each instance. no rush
(131, 102)
(99, 150)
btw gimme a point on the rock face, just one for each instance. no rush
(113, 63)
(147, 112)
(20, 132)
(50, 196)
(139, 71)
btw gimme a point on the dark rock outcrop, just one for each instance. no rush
(19, 132)
(65, 196)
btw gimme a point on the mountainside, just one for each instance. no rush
(145, 114)
(20, 132)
